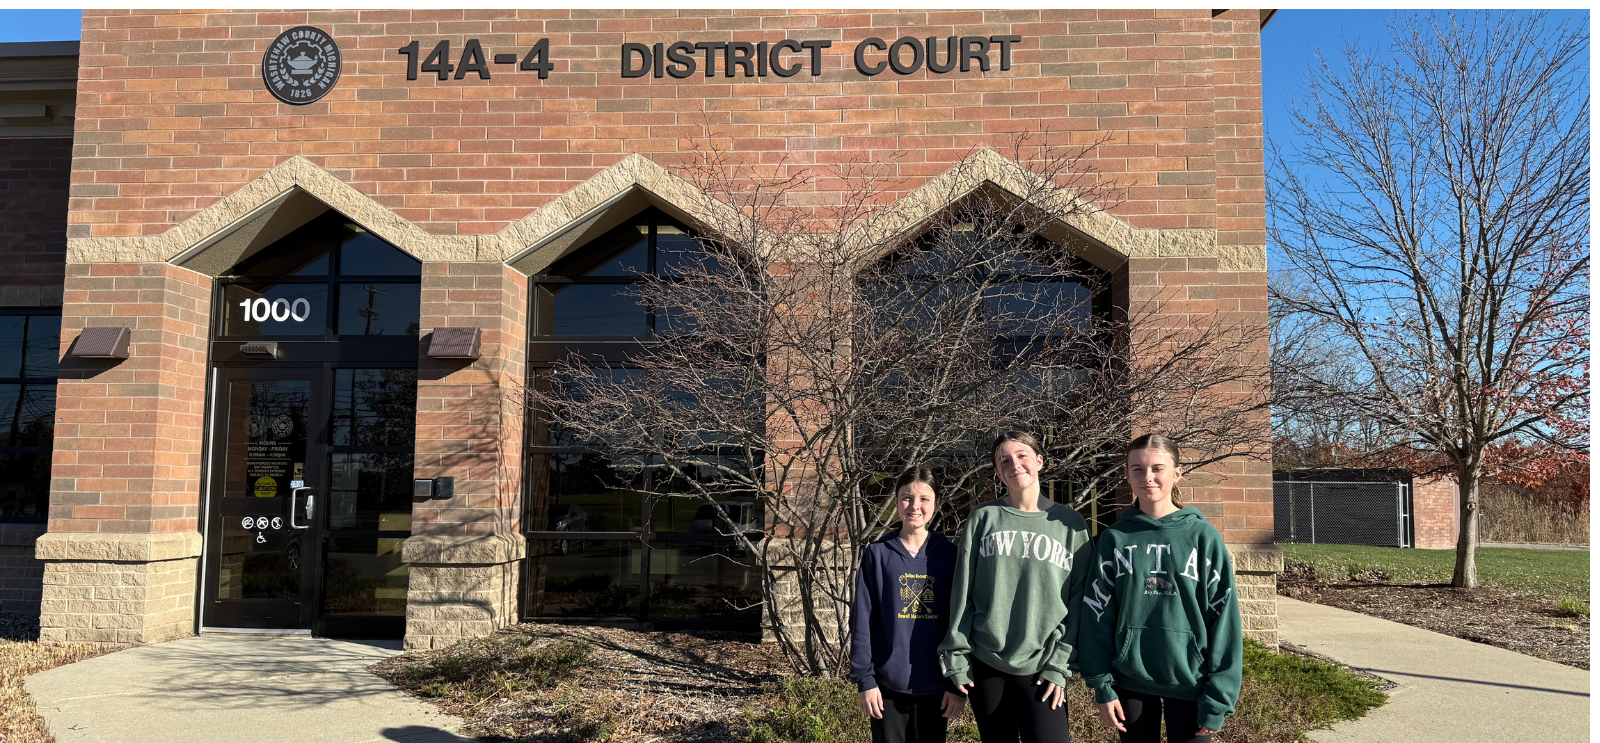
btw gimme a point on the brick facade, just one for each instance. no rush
(1435, 506)
(177, 139)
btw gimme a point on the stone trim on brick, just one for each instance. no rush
(102, 547)
(1255, 579)
(182, 243)
(488, 549)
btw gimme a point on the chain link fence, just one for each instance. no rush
(1327, 512)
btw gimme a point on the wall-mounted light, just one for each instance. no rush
(101, 343)
(456, 343)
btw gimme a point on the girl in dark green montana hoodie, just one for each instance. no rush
(1161, 637)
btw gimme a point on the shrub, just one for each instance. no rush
(500, 664)
(809, 710)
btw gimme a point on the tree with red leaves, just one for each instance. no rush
(1435, 214)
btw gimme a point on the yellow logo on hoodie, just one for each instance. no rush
(916, 597)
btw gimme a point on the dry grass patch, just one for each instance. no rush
(21, 656)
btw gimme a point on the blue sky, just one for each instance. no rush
(1287, 44)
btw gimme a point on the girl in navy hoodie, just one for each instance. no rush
(900, 615)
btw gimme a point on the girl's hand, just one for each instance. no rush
(953, 703)
(967, 688)
(1111, 714)
(1204, 731)
(872, 703)
(1052, 694)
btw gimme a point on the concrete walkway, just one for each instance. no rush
(236, 689)
(1450, 690)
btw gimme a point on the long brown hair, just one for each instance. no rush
(1157, 442)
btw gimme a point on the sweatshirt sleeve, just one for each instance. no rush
(1224, 661)
(1097, 626)
(861, 616)
(955, 653)
(1063, 660)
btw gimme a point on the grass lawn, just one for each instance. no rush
(1555, 573)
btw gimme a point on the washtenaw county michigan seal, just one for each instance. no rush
(301, 65)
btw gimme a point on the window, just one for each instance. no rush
(1017, 317)
(607, 538)
(30, 341)
(336, 280)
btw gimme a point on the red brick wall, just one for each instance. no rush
(33, 209)
(172, 115)
(128, 433)
(1433, 511)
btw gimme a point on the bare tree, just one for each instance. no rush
(811, 354)
(1436, 209)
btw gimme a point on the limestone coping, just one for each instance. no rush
(484, 549)
(100, 547)
(185, 243)
(1256, 558)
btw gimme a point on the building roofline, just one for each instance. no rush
(39, 49)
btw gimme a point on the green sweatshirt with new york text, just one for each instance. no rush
(1162, 616)
(1015, 600)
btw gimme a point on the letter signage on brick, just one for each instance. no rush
(681, 59)
(301, 65)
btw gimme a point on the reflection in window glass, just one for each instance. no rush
(25, 487)
(374, 407)
(703, 579)
(275, 310)
(370, 492)
(584, 492)
(598, 578)
(622, 253)
(29, 345)
(379, 309)
(677, 254)
(364, 576)
(27, 415)
(593, 310)
(364, 254)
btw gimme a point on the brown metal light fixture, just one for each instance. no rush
(456, 343)
(101, 343)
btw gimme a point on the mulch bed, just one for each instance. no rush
(1525, 623)
(663, 687)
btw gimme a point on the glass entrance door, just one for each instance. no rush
(310, 499)
(268, 484)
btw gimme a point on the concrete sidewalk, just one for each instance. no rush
(1450, 690)
(236, 689)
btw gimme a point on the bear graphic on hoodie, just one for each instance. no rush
(1161, 616)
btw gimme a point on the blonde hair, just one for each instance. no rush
(1157, 442)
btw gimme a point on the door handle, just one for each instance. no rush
(310, 499)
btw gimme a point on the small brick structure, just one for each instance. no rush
(1436, 510)
(178, 146)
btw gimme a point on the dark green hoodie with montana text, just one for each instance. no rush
(1162, 616)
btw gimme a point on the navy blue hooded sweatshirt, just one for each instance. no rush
(900, 615)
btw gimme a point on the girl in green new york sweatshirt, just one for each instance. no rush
(1161, 636)
(1015, 604)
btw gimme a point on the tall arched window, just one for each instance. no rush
(607, 539)
(1006, 321)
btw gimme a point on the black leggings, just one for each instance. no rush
(1143, 713)
(909, 719)
(1009, 710)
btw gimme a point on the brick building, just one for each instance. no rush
(247, 460)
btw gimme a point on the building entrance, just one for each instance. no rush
(311, 441)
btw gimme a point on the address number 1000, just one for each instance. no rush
(278, 310)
